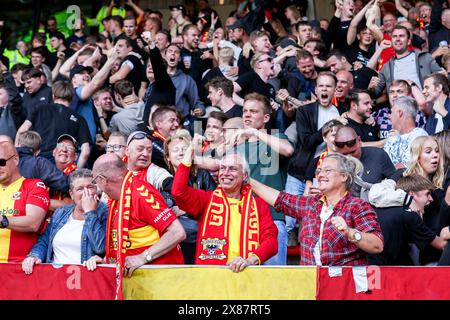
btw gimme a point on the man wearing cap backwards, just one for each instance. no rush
(53, 120)
(23, 204)
(85, 86)
(178, 13)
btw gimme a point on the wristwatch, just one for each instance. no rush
(148, 256)
(4, 223)
(356, 236)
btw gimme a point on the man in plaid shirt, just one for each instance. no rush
(337, 228)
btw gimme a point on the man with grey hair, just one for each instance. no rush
(237, 228)
(403, 118)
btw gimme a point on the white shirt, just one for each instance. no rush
(325, 214)
(398, 147)
(67, 242)
(325, 115)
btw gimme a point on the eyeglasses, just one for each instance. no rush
(349, 143)
(94, 181)
(65, 146)
(269, 59)
(138, 135)
(3, 161)
(114, 147)
(325, 171)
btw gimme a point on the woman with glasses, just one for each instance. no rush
(77, 232)
(337, 228)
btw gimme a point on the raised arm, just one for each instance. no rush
(69, 63)
(351, 34)
(100, 77)
(373, 27)
(266, 193)
(188, 199)
(400, 8)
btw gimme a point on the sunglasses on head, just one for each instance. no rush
(342, 144)
(138, 136)
(4, 161)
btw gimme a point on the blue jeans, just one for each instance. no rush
(280, 259)
(296, 187)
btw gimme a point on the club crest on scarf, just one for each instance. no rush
(212, 248)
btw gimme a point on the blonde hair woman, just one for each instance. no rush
(174, 150)
(427, 160)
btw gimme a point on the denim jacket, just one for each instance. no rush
(93, 236)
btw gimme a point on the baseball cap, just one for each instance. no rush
(80, 68)
(67, 137)
(238, 24)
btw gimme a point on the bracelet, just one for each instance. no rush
(101, 117)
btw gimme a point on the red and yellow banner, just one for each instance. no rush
(74, 282)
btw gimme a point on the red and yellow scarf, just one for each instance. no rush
(156, 134)
(321, 157)
(213, 242)
(117, 231)
(70, 168)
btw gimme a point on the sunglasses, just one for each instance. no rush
(349, 143)
(138, 136)
(3, 161)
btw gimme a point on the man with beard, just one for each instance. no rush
(302, 81)
(360, 110)
(406, 65)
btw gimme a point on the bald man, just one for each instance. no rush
(23, 205)
(150, 232)
(377, 164)
(344, 84)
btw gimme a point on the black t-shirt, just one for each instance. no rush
(43, 95)
(234, 112)
(198, 65)
(358, 54)
(135, 75)
(366, 132)
(377, 165)
(362, 77)
(400, 227)
(51, 120)
(251, 82)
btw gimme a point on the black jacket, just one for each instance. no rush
(162, 91)
(33, 167)
(308, 139)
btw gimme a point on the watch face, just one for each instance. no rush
(357, 236)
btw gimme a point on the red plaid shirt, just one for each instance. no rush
(336, 249)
